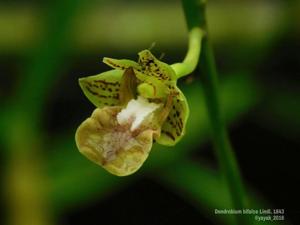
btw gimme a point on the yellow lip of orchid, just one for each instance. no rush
(118, 139)
(136, 104)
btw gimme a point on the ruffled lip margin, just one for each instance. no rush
(115, 147)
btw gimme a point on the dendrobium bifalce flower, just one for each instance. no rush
(137, 103)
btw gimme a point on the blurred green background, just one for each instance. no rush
(45, 46)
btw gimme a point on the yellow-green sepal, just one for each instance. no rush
(103, 89)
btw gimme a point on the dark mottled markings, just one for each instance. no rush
(138, 69)
(149, 62)
(169, 134)
(88, 87)
(107, 86)
(115, 65)
(174, 119)
(107, 82)
(180, 124)
(116, 96)
(107, 104)
(151, 68)
(155, 100)
(156, 72)
(91, 91)
(89, 84)
(104, 90)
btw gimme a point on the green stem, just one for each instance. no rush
(190, 61)
(224, 151)
(195, 16)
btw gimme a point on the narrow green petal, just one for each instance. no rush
(121, 64)
(155, 68)
(102, 89)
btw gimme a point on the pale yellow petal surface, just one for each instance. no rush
(113, 146)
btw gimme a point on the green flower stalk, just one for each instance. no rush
(137, 103)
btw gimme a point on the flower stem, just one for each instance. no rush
(195, 16)
(190, 61)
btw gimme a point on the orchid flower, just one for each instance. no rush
(137, 103)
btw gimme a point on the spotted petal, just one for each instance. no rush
(102, 89)
(155, 68)
(173, 128)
